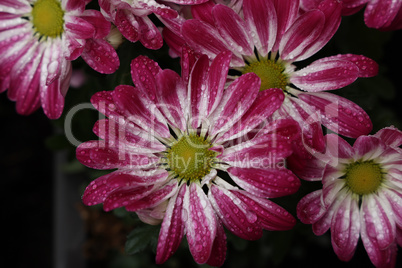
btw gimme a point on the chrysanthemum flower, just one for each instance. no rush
(361, 196)
(379, 14)
(267, 38)
(175, 142)
(38, 39)
(131, 18)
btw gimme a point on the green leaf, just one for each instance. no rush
(141, 238)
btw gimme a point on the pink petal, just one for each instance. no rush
(325, 75)
(75, 5)
(217, 76)
(141, 110)
(261, 21)
(266, 103)
(391, 136)
(236, 100)
(265, 151)
(379, 12)
(367, 67)
(154, 198)
(52, 100)
(339, 114)
(150, 36)
(94, 17)
(143, 73)
(205, 39)
(324, 222)
(172, 95)
(235, 215)
(378, 222)
(97, 191)
(124, 196)
(203, 12)
(311, 208)
(338, 147)
(200, 224)
(127, 24)
(101, 56)
(198, 88)
(96, 154)
(218, 251)
(332, 12)
(135, 178)
(271, 216)
(345, 229)
(174, 42)
(394, 198)
(368, 147)
(287, 12)
(187, 60)
(79, 27)
(122, 135)
(233, 29)
(25, 81)
(172, 229)
(304, 31)
(379, 257)
(269, 183)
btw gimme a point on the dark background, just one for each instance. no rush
(45, 225)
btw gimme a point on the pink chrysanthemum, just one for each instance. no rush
(38, 39)
(361, 196)
(380, 14)
(131, 18)
(267, 37)
(175, 142)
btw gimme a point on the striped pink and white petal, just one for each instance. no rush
(380, 13)
(150, 36)
(140, 109)
(380, 257)
(154, 198)
(172, 229)
(332, 12)
(376, 214)
(233, 29)
(96, 154)
(304, 32)
(203, 12)
(311, 208)
(205, 39)
(172, 96)
(235, 215)
(218, 252)
(261, 21)
(345, 229)
(268, 182)
(325, 75)
(124, 196)
(286, 12)
(265, 104)
(369, 147)
(200, 223)
(391, 136)
(79, 28)
(271, 216)
(260, 152)
(339, 114)
(236, 100)
(122, 135)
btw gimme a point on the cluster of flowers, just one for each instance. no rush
(241, 124)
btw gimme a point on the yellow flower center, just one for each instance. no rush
(270, 73)
(363, 177)
(47, 18)
(189, 158)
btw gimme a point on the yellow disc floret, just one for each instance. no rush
(189, 158)
(47, 18)
(363, 177)
(270, 73)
